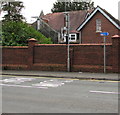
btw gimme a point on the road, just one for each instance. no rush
(22, 94)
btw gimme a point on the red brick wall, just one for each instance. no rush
(89, 35)
(83, 57)
(14, 56)
(90, 56)
(49, 57)
(50, 54)
(116, 53)
(54, 57)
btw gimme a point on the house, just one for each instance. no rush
(57, 22)
(98, 21)
(85, 26)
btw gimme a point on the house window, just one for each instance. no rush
(63, 34)
(72, 37)
(98, 25)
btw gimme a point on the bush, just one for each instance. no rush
(18, 33)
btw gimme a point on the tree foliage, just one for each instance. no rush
(18, 33)
(71, 6)
(15, 32)
(13, 11)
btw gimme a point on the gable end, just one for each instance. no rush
(93, 13)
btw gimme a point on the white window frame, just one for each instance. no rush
(75, 37)
(98, 25)
(63, 35)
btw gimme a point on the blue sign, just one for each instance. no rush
(104, 33)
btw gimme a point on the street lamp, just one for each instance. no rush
(67, 24)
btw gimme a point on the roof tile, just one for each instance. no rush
(56, 20)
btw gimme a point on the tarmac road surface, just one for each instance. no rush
(23, 94)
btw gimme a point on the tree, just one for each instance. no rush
(71, 6)
(18, 33)
(15, 32)
(12, 10)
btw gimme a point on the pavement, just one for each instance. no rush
(70, 75)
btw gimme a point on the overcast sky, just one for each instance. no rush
(34, 7)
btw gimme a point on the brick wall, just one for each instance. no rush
(116, 53)
(14, 57)
(90, 57)
(89, 34)
(50, 54)
(49, 57)
(83, 57)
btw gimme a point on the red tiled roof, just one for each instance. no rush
(56, 20)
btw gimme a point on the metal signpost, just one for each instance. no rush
(104, 34)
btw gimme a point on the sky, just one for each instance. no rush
(34, 7)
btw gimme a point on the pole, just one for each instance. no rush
(68, 60)
(104, 54)
(67, 38)
(68, 45)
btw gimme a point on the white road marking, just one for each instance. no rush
(50, 83)
(104, 92)
(51, 80)
(22, 86)
(16, 80)
(68, 81)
